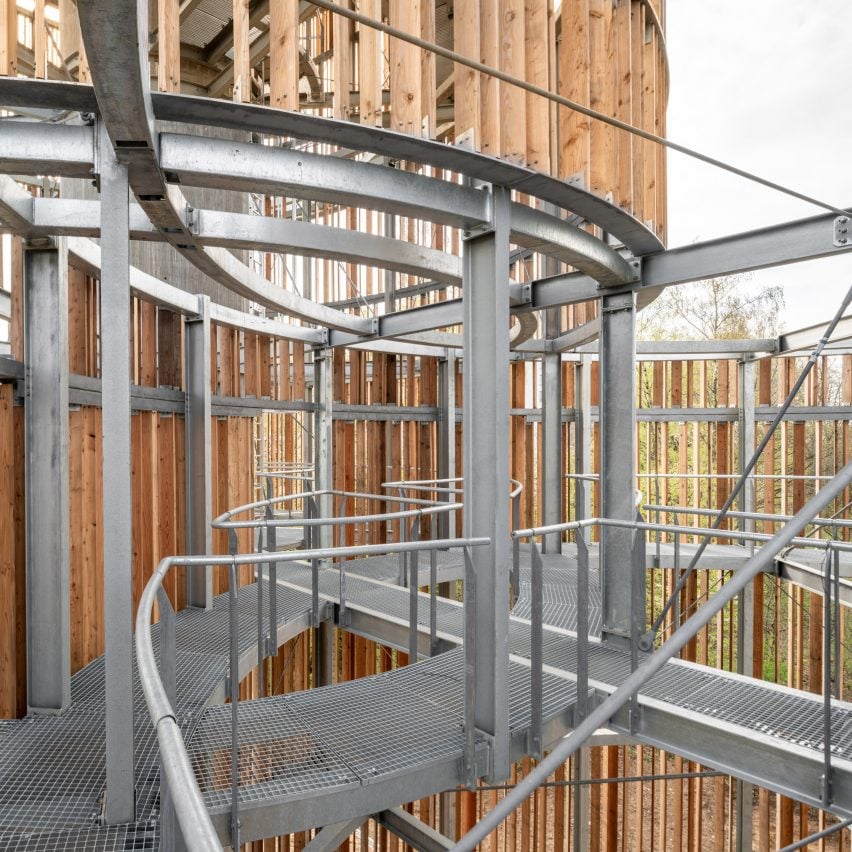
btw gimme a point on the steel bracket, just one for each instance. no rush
(619, 302)
(374, 325)
(843, 232)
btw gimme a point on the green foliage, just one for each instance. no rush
(727, 308)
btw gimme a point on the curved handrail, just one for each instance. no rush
(443, 486)
(188, 800)
(424, 507)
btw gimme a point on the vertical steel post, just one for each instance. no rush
(115, 389)
(46, 454)
(486, 466)
(199, 458)
(447, 436)
(553, 482)
(323, 476)
(618, 457)
(745, 605)
(583, 435)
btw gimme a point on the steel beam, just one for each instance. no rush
(618, 457)
(264, 233)
(777, 245)
(46, 470)
(50, 149)
(225, 164)
(412, 831)
(331, 836)
(486, 468)
(118, 574)
(199, 455)
(553, 482)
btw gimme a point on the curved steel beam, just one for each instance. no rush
(68, 217)
(115, 35)
(244, 166)
(242, 231)
(550, 235)
(251, 117)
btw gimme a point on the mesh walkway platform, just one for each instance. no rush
(393, 737)
(52, 768)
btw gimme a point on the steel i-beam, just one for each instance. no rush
(46, 453)
(118, 557)
(618, 458)
(199, 455)
(486, 468)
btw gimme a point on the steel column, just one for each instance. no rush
(553, 482)
(447, 436)
(745, 608)
(618, 457)
(199, 455)
(118, 557)
(486, 468)
(46, 454)
(323, 476)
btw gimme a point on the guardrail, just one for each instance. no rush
(452, 486)
(627, 691)
(179, 787)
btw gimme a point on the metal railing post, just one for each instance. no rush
(171, 839)
(234, 694)
(433, 602)
(536, 651)
(469, 668)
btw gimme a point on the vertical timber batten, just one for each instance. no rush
(118, 557)
(486, 467)
(618, 460)
(199, 461)
(46, 453)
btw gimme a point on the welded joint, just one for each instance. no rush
(843, 232)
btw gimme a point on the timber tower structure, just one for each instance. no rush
(340, 507)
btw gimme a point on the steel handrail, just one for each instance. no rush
(626, 691)
(223, 521)
(749, 516)
(188, 801)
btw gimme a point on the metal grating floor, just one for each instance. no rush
(352, 733)
(329, 739)
(52, 771)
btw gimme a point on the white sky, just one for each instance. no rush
(765, 85)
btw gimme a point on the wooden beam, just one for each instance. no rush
(168, 49)
(284, 54)
(242, 61)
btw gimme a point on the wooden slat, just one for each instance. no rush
(241, 55)
(168, 45)
(574, 84)
(284, 54)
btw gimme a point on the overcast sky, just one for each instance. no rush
(765, 85)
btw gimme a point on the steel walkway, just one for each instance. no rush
(393, 737)
(52, 769)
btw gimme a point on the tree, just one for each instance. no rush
(727, 308)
